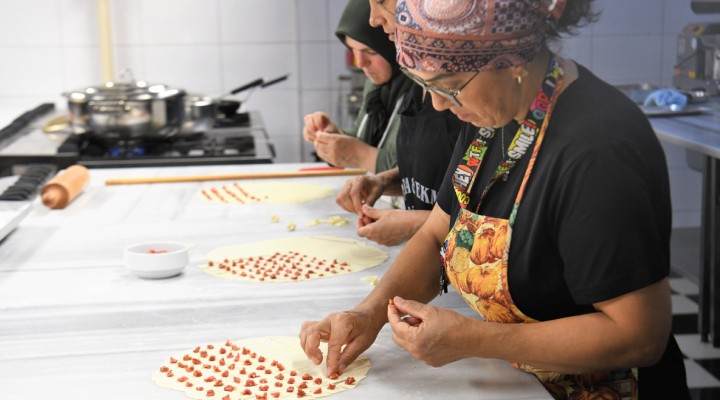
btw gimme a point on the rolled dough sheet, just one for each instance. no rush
(293, 258)
(265, 192)
(247, 368)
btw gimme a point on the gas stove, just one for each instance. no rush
(239, 140)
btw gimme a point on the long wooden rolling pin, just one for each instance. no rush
(228, 177)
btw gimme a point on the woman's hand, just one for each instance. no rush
(318, 122)
(345, 151)
(355, 330)
(430, 334)
(358, 329)
(389, 227)
(626, 332)
(358, 191)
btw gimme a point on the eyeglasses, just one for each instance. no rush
(450, 95)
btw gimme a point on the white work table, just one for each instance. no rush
(74, 324)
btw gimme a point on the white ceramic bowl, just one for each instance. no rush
(155, 260)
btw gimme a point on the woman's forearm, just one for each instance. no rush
(390, 182)
(629, 331)
(366, 156)
(415, 273)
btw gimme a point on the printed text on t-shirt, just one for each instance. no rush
(421, 192)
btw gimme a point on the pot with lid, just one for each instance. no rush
(126, 110)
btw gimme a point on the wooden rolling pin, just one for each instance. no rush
(65, 187)
(229, 177)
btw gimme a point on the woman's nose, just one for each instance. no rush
(376, 20)
(439, 102)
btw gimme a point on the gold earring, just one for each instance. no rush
(519, 79)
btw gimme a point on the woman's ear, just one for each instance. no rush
(519, 73)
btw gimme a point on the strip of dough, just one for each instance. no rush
(266, 192)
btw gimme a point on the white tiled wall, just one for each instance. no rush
(212, 46)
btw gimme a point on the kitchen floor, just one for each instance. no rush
(702, 361)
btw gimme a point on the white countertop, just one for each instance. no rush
(75, 324)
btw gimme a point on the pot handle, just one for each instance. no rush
(256, 82)
(274, 81)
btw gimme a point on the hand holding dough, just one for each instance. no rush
(345, 151)
(347, 334)
(426, 332)
(318, 122)
(358, 191)
(390, 227)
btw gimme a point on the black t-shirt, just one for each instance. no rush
(595, 219)
(425, 143)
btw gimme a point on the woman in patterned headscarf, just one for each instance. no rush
(566, 168)
(370, 144)
(425, 142)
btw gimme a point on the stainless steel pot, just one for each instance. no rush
(126, 110)
(200, 113)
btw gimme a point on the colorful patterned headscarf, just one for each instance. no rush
(471, 35)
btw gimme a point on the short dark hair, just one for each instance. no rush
(577, 14)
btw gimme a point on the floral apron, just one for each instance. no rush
(475, 252)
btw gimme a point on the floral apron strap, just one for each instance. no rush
(531, 129)
(464, 176)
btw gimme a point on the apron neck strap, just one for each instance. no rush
(532, 127)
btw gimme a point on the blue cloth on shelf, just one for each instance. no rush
(666, 98)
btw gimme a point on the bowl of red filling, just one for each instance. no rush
(156, 260)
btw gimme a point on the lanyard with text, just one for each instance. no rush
(465, 172)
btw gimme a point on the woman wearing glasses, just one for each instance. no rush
(561, 165)
(425, 142)
(371, 143)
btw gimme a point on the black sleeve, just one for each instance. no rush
(617, 192)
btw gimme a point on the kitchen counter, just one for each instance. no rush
(701, 134)
(75, 324)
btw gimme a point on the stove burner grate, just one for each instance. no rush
(196, 145)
